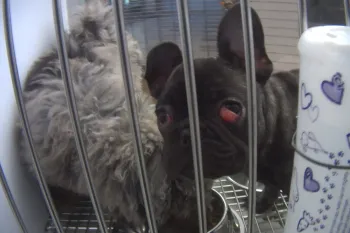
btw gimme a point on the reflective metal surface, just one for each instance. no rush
(303, 25)
(347, 12)
(242, 181)
(251, 108)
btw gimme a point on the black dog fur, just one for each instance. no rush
(221, 86)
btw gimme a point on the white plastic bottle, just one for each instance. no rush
(320, 196)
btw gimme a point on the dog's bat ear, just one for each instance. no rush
(161, 61)
(230, 43)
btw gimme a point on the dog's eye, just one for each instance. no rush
(230, 111)
(164, 119)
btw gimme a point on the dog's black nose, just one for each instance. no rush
(185, 137)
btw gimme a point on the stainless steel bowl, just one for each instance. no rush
(230, 221)
(242, 181)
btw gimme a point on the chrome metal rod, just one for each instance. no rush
(11, 201)
(302, 10)
(252, 108)
(191, 93)
(72, 105)
(11, 54)
(133, 113)
(347, 12)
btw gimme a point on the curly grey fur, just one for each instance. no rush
(99, 90)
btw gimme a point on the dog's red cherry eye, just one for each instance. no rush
(164, 119)
(228, 116)
(230, 111)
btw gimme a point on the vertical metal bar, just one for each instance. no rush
(11, 54)
(72, 105)
(206, 27)
(174, 28)
(347, 12)
(302, 10)
(145, 31)
(256, 220)
(174, 17)
(131, 102)
(191, 93)
(160, 34)
(252, 108)
(11, 201)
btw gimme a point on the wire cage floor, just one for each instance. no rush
(81, 218)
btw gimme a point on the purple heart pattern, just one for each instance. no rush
(310, 184)
(307, 104)
(316, 221)
(334, 90)
(306, 97)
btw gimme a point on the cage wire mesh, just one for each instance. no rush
(151, 22)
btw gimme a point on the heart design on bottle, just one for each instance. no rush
(334, 90)
(310, 184)
(306, 97)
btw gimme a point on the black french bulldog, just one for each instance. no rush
(222, 101)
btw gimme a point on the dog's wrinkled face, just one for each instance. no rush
(221, 101)
(221, 95)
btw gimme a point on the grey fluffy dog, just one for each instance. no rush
(99, 90)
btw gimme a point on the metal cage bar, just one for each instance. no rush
(191, 93)
(131, 102)
(16, 83)
(252, 108)
(74, 115)
(347, 12)
(206, 26)
(302, 10)
(11, 201)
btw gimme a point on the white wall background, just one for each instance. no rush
(33, 31)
